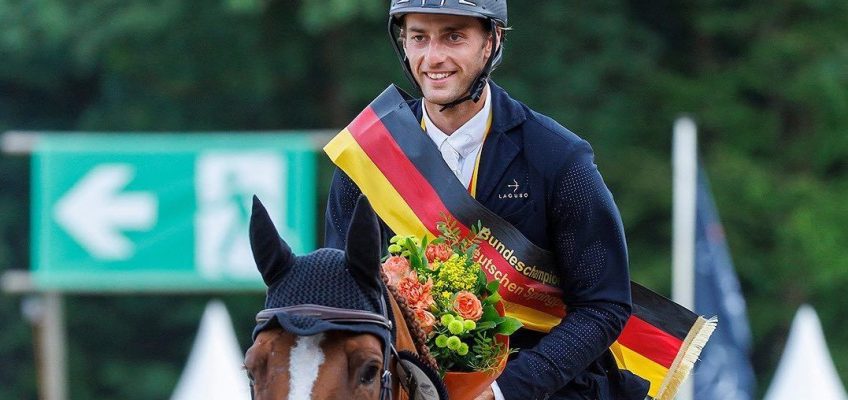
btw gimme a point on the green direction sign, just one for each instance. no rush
(164, 211)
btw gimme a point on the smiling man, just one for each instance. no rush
(537, 178)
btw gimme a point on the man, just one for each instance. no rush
(533, 173)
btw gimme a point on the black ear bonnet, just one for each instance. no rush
(292, 279)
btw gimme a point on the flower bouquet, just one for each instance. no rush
(459, 310)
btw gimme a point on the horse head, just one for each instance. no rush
(330, 328)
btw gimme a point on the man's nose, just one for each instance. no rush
(435, 52)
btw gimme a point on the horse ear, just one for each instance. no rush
(363, 246)
(272, 255)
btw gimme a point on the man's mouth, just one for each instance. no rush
(438, 75)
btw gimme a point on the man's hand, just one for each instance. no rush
(487, 394)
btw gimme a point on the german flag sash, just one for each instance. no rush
(385, 152)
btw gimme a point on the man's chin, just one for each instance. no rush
(440, 98)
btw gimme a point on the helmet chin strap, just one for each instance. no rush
(458, 101)
(474, 93)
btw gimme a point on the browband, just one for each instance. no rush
(329, 314)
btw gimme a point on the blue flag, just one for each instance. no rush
(724, 370)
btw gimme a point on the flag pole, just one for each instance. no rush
(685, 166)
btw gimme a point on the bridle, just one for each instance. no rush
(346, 316)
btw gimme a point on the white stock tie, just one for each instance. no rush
(451, 157)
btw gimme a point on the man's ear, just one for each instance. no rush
(492, 39)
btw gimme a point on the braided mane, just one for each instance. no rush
(418, 335)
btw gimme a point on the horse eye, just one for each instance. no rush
(369, 375)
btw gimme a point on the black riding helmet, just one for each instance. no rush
(492, 11)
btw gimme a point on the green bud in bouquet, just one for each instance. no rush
(447, 319)
(441, 341)
(394, 248)
(456, 327)
(395, 239)
(462, 350)
(469, 325)
(454, 343)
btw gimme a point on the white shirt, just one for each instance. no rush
(460, 149)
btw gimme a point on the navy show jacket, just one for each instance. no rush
(560, 204)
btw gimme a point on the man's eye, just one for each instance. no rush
(418, 38)
(454, 37)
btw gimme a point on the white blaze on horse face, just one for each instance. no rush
(305, 361)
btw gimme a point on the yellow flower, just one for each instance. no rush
(456, 274)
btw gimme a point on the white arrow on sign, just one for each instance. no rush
(94, 211)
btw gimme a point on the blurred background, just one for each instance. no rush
(766, 83)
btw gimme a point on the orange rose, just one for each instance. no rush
(425, 319)
(417, 295)
(468, 306)
(438, 252)
(396, 267)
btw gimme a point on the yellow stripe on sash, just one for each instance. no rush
(531, 318)
(640, 365)
(346, 153)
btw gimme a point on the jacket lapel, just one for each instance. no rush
(498, 152)
(499, 149)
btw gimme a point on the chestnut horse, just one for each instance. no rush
(330, 328)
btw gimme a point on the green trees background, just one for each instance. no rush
(767, 83)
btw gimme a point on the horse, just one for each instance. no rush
(331, 327)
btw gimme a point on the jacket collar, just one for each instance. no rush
(500, 147)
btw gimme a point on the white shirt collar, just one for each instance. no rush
(469, 136)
